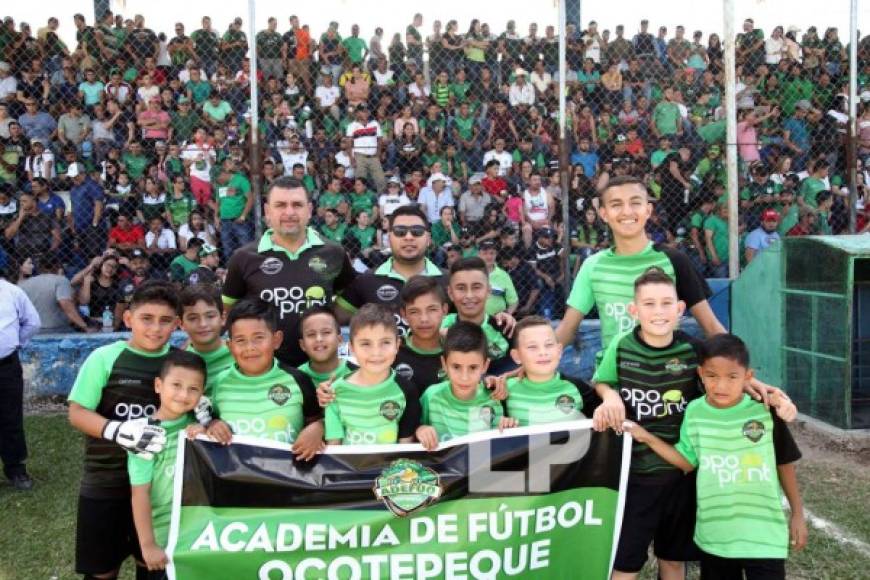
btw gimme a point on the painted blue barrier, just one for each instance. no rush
(720, 301)
(52, 361)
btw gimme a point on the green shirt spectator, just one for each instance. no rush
(355, 47)
(233, 196)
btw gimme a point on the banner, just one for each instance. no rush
(542, 502)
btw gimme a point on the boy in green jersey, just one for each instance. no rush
(260, 396)
(202, 318)
(321, 337)
(179, 388)
(461, 404)
(372, 405)
(743, 454)
(110, 402)
(542, 395)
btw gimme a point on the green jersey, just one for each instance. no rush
(736, 451)
(216, 363)
(180, 207)
(497, 344)
(370, 415)
(274, 405)
(656, 385)
(502, 294)
(232, 204)
(719, 227)
(606, 280)
(117, 382)
(355, 48)
(558, 399)
(342, 370)
(335, 234)
(181, 267)
(809, 188)
(453, 417)
(159, 473)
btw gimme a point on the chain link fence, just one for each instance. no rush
(124, 149)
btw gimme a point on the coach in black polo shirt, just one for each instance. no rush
(409, 242)
(290, 267)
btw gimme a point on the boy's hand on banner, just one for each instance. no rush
(428, 437)
(203, 411)
(325, 394)
(309, 442)
(611, 412)
(220, 432)
(145, 436)
(507, 423)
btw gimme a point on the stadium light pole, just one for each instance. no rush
(731, 137)
(563, 149)
(851, 143)
(254, 123)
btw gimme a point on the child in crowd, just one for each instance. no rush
(202, 318)
(260, 396)
(179, 387)
(743, 454)
(372, 405)
(321, 338)
(206, 272)
(110, 403)
(461, 404)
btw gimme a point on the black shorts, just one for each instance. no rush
(105, 535)
(717, 568)
(661, 511)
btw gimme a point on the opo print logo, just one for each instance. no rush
(651, 403)
(129, 411)
(733, 470)
(618, 311)
(293, 300)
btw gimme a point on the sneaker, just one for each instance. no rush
(21, 482)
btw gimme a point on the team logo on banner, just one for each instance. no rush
(390, 410)
(753, 430)
(279, 394)
(407, 486)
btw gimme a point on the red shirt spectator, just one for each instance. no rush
(126, 235)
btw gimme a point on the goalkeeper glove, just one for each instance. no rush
(143, 437)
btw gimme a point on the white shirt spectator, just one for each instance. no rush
(165, 239)
(184, 75)
(521, 95)
(365, 137)
(291, 158)
(206, 235)
(8, 86)
(418, 92)
(120, 93)
(541, 81)
(593, 50)
(773, 48)
(203, 158)
(383, 79)
(536, 205)
(327, 96)
(505, 160)
(344, 160)
(388, 202)
(433, 202)
(41, 165)
(145, 93)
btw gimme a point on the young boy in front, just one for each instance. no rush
(542, 395)
(743, 454)
(469, 290)
(180, 385)
(260, 396)
(461, 404)
(372, 405)
(321, 337)
(202, 318)
(423, 307)
(110, 402)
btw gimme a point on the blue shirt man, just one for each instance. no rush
(763, 236)
(86, 198)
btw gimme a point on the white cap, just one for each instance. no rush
(521, 71)
(75, 169)
(793, 28)
(437, 177)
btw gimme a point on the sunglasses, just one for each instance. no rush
(402, 231)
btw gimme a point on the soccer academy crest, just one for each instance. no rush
(390, 410)
(279, 394)
(753, 430)
(407, 486)
(318, 264)
(565, 403)
(676, 366)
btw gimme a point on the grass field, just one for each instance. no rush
(38, 528)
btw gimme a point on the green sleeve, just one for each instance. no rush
(333, 429)
(685, 447)
(745, 194)
(424, 408)
(516, 156)
(91, 379)
(539, 161)
(581, 297)
(606, 371)
(243, 184)
(141, 470)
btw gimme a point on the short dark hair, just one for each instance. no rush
(465, 336)
(373, 315)
(156, 292)
(195, 243)
(286, 182)
(252, 310)
(622, 180)
(186, 360)
(408, 210)
(314, 311)
(653, 275)
(470, 263)
(421, 285)
(529, 322)
(823, 196)
(201, 293)
(726, 346)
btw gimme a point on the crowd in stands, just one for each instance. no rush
(126, 156)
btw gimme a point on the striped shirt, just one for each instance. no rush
(365, 137)
(558, 399)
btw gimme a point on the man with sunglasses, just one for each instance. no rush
(409, 243)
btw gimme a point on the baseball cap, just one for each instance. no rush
(487, 245)
(437, 177)
(521, 72)
(621, 138)
(803, 104)
(207, 249)
(865, 96)
(476, 178)
(37, 141)
(547, 232)
(769, 215)
(137, 254)
(394, 181)
(75, 169)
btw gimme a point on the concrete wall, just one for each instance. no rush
(51, 362)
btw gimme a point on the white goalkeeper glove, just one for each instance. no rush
(203, 411)
(144, 437)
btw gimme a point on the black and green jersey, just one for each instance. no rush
(216, 362)
(559, 399)
(736, 452)
(159, 472)
(656, 385)
(498, 345)
(382, 286)
(274, 405)
(117, 382)
(606, 280)
(291, 282)
(421, 367)
(344, 368)
(378, 414)
(453, 417)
